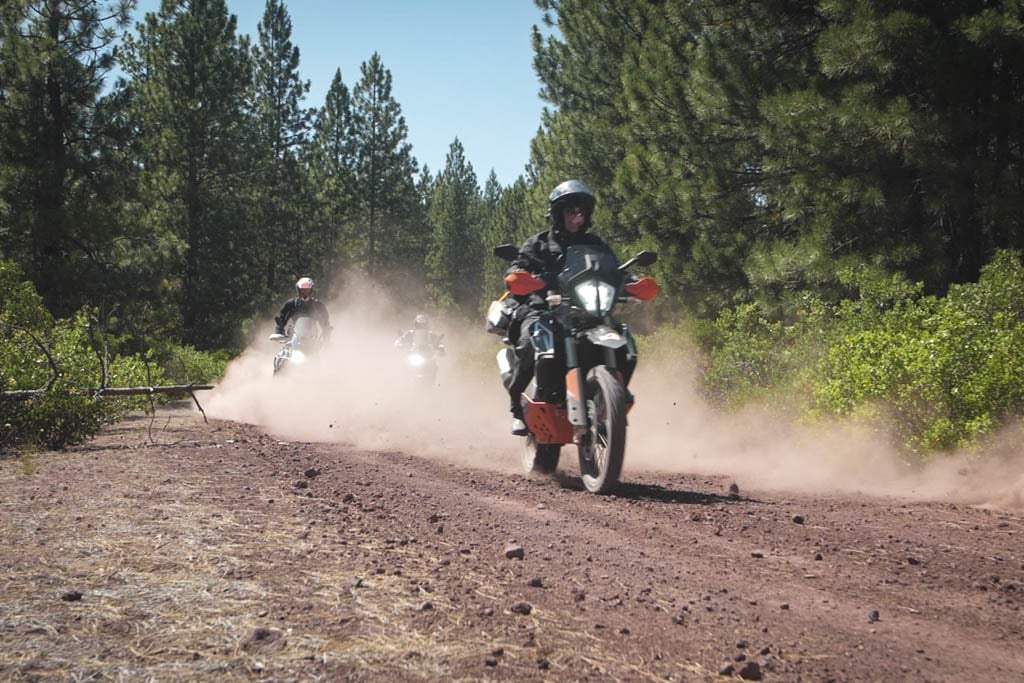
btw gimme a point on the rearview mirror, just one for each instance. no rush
(646, 258)
(507, 252)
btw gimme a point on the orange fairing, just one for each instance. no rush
(522, 282)
(645, 289)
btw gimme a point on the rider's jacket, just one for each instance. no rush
(419, 338)
(544, 255)
(297, 307)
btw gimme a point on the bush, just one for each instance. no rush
(945, 371)
(67, 358)
(63, 360)
(754, 359)
(186, 365)
(940, 372)
(61, 417)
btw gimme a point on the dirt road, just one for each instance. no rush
(174, 549)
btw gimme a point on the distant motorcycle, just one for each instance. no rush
(421, 349)
(300, 342)
(583, 399)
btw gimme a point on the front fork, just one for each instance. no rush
(575, 390)
(282, 357)
(575, 382)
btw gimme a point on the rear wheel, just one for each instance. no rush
(540, 458)
(602, 453)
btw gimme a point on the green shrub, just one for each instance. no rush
(60, 418)
(64, 361)
(186, 365)
(68, 358)
(754, 359)
(943, 371)
(940, 372)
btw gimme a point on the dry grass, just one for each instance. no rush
(174, 564)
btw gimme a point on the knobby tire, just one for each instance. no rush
(606, 401)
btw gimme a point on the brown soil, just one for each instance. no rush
(335, 523)
(176, 549)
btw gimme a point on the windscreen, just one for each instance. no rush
(581, 259)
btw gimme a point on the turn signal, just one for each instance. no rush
(522, 282)
(645, 289)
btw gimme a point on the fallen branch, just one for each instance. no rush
(27, 394)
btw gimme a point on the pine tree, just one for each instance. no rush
(420, 231)
(580, 66)
(60, 183)
(455, 259)
(283, 127)
(693, 174)
(191, 75)
(897, 152)
(332, 170)
(506, 220)
(385, 171)
(765, 147)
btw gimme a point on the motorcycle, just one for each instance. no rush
(581, 396)
(421, 350)
(300, 342)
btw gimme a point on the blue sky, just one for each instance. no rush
(459, 68)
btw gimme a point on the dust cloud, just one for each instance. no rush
(672, 429)
(358, 391)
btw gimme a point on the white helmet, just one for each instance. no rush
(304, 287)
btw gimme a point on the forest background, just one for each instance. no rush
(834, 188)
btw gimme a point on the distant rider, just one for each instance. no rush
(305, 303)
(420, 336)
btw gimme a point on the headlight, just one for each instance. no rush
(298, 356)
(416, 360)
(596, 296)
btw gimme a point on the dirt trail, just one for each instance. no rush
(331, 523)
(174, 549)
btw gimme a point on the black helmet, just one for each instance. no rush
(570, 193)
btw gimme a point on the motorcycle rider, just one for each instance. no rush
(570, 207)
(304, 303)
(422, 333)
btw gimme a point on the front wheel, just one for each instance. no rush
(540, 458)
(602, 453)
(279, 362)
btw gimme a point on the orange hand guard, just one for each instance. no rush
(645, 289)
(522, 282)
